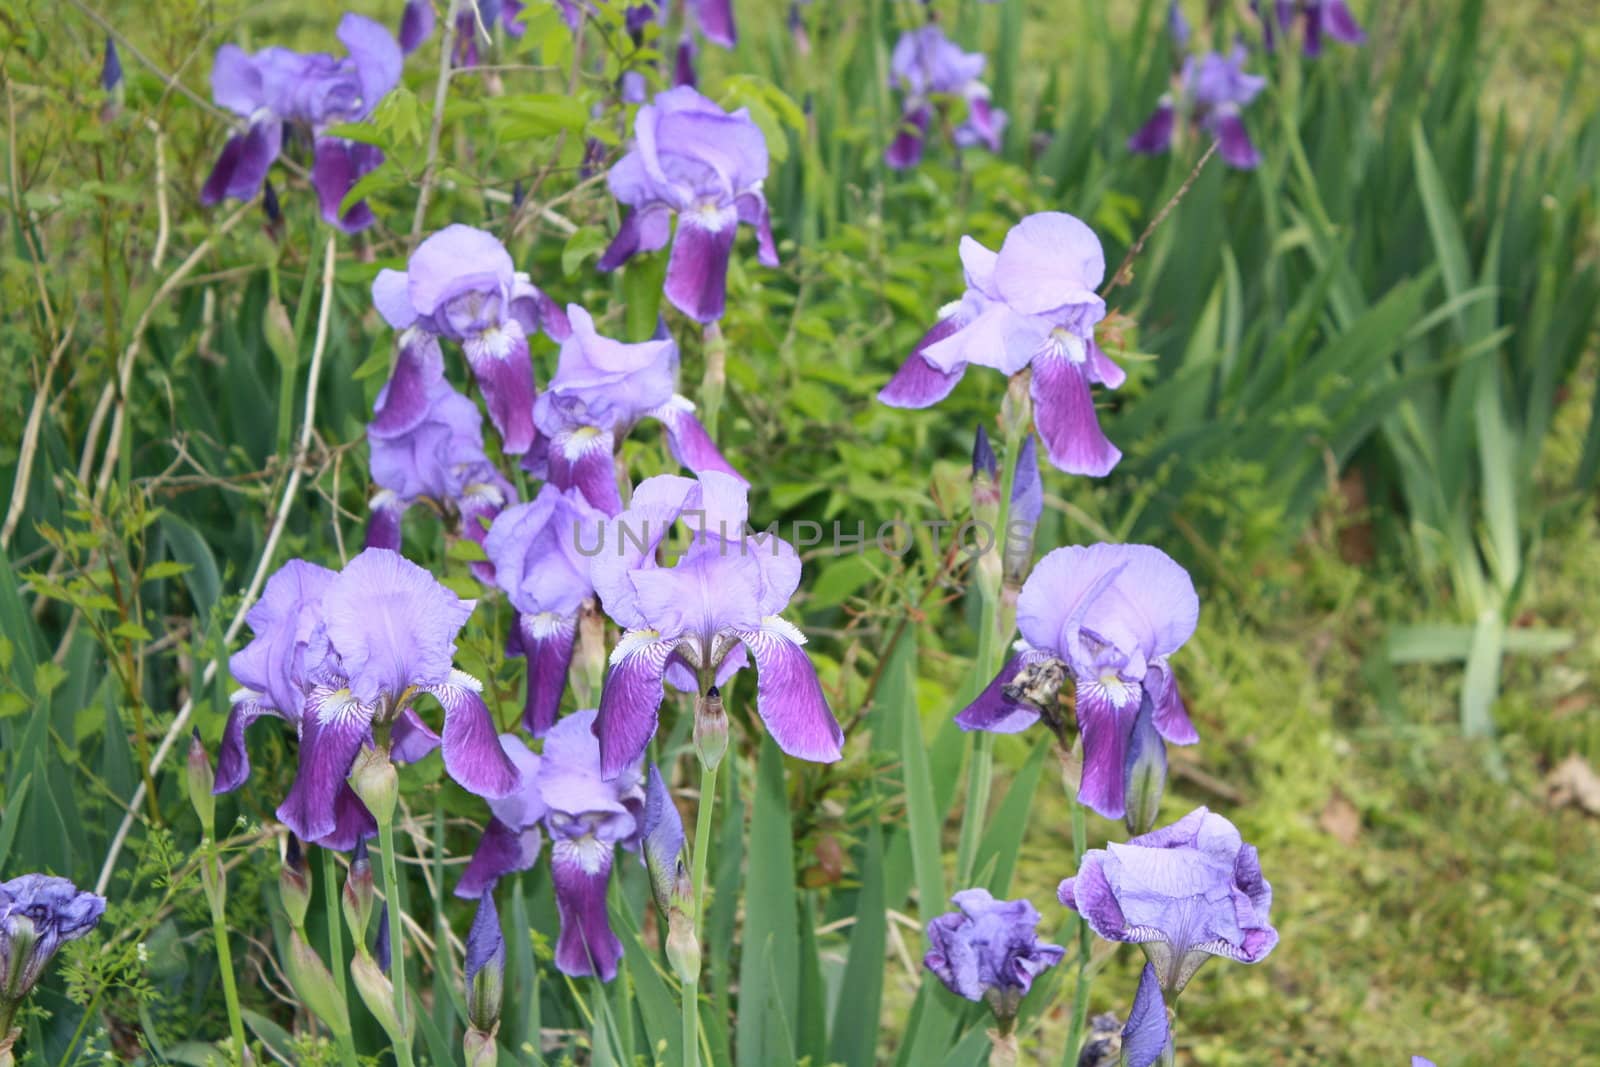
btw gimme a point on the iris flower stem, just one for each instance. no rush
(991, 654)
(441, 90)
(330, 904)
(397, 957)
(715, 382)
(216, 887)
(702, 853)
(1080, 994)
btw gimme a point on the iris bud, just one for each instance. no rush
(710, 728)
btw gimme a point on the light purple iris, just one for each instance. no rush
(925, 66)
(276, 87)
(38, 914)
(426, 441)
(602, 388)
(1212, 90)
(1032, 304)
(989, 951)
(489, 13)
(586, 816)
(537, 551)
(341, 654)
(460, 284)
(693, 159)
(1108, 616)
(1183, 893)
(719, 601)
(1419, 1061)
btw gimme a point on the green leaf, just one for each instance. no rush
(769, 969)
(921, 811)
(855, 1030)
(1002, 840)
(585, 242)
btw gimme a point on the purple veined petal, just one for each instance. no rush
(697, 271)
(630, 700)
(338, 165)
(688, 440)
(500, 361)
(752, 207)
(216, 186)
(278, 662)
(1170, 716)
(1155, 136)
(996, 337)
(1103, 369)
(918, 383)
(1049, 260)
(1341, 23)
(583, 460)
(905, 151)
(581, 871)
(1145, 1036)
(985, 124)
(546, 640)
(242, 167)
(233, 758)
(715, 19)
(994, 712)
(1090, 895)
(377, 57)
(416, 25)
(644, 229)
(1236, 148)
(1105, 725)
(332, 730)
(789, 695)
(502, 850)
(411, 740)
(412, 388)
(385, 512)
(236, 81)
(352, 822)
(537, 312)
(1064, 412)
(469, 741)
(480, 501)
(683, 678)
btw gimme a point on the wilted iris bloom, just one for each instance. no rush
(1183, 893)
(341, 655)
(928, 68)
(989, 952)
(602, 388)
(1032, 304)
(426, 441)
(276, 87)
(537, 551)
(416, 25)
(1211, 92)
(1108, 616)
(701, 616)
(38, 914)
(471, 28)
(693, 159)
(1332, 18)
(461, 285)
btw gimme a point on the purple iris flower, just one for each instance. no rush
(416, 25)
(1031, 304)
(707, 166)
(1184, 893)
(276, 87)
(926, 65)
(490, 12)
(427, 445)
(511, 838)
(1419, 1061)
(537, 552)
(1213, 89)
(662, 842)
(717, 602)
(38, 914)
(602, 388)
(460, 284)
(1331, 17)
(340, 654)
(1108, 616)
(110, 67)
(990, 950)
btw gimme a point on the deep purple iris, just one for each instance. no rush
(586, 815)
(38, 914)
(416, 25)
(989, 951)
(692, 159)
(276, 87)
(537, 552)
(342, 654)
(927, 66)
(602, 388)
(461, 285)
(1032, 304)
(1332, 18)
(426, 441)
(1212, 90)
(718, 602)
(1108, 616)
